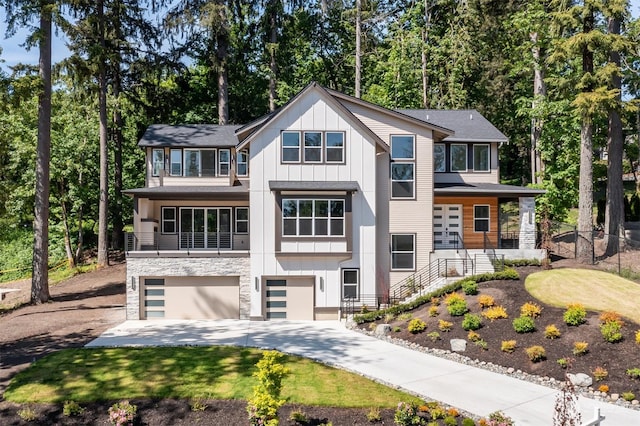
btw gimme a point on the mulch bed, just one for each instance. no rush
(616, 358)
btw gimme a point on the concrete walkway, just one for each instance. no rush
(469, 388)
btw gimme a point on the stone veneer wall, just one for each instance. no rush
(185, 267)
(527, 223)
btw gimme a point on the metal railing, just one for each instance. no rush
(490, 251)
(465, 253)
(362, 304)
(156, 241)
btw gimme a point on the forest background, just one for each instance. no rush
(561, 78)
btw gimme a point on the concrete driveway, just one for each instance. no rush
(472, 389)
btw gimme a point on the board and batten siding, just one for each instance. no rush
(410, 216)
(472, 239)
(311, 112)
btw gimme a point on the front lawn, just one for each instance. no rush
(221, 372)
(596, 290)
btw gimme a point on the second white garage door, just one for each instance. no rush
(290, 298)
(191, 298)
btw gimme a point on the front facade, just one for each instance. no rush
(329, 199)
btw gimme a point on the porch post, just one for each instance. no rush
(527, 223)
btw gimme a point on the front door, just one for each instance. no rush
(447, 226)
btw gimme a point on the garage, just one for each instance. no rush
(290, 298)
(190, 297)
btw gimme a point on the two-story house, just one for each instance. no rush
(326, 200)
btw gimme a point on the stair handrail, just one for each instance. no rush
(498, 263)
(466, 257)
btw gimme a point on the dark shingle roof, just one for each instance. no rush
(288, 185)
(485, 189)
(189, 135)
(468, 124)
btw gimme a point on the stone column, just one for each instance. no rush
(527, 223)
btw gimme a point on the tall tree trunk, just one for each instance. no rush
(71, 262)
(614, 211)
(103, 225)
(117, 239)
(358, 76)
(539, 93)
(40, 265)
(222, 51)
(273, 66)
(423, 53)
(584, 242)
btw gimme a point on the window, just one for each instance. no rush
(243, 163)
(312, 217)
(290, 147)
(312, 147)
(168, 220)
(157, 161)
(458, 158)
(402, 176)
(176, 162)
(481, 218)
(224, 162)
(335, 147)
(242, 220)
(403, 252)
(350, 284)
(191, 162)
(439, 157)
(481, 158)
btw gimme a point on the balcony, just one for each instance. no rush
(187, 243)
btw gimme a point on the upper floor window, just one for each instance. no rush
(312, 147)
(458, 158)
(312, 217)
(481, 158)
(402, 166)
(199, 162)
(439, 157)
(242, 163)
(157, 161)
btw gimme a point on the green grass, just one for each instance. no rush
(596, 290)
(219, 372)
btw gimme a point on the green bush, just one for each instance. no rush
(536, 353)
(406, 415)
(471, 322)
(450, 421)
(611, 331)
(628, 396)
(575, 314)
(634, 373)
(122, 413)
(468, 422)
(524, 324)
(470, 287)
(264, 403)
(71, 408)
(416, 325)
(521, 262)
(457, 308)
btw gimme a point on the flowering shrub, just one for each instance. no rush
(600, 373)
(536, 353)
(485, 301)
(263, 405)
(580, 348)
(499, 419)
(508, 346)
(551, 332)
(445, 325)
(530, 309)
(406, 415)
(473, 336)
(122, 413)
(433, 311)
(610, 316)
(416, 325)
(603, 388)
(575, 314)
(495, 312)
(452, 298)
(638, 337)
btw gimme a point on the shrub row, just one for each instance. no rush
(507, 274)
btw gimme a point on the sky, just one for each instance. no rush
(13, 51)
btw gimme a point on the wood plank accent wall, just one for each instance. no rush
(475, 240)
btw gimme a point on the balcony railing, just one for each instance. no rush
(188, 241)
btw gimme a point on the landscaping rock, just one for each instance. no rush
(581, 380)
(458, 345)
(382, 329)
(615, 396)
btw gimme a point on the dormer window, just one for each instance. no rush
(192, 162)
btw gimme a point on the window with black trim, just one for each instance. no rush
(290, 147)
(458, 157)
(168, 220)
(481, 218)
(403, 252)
(439, 158)
(242, 167)
(402, 166)
(351, 284)
(242, 220)
(481, 161)
(307, 217)
(157, 161)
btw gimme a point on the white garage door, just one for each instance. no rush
(191, 298)
(290, 298)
